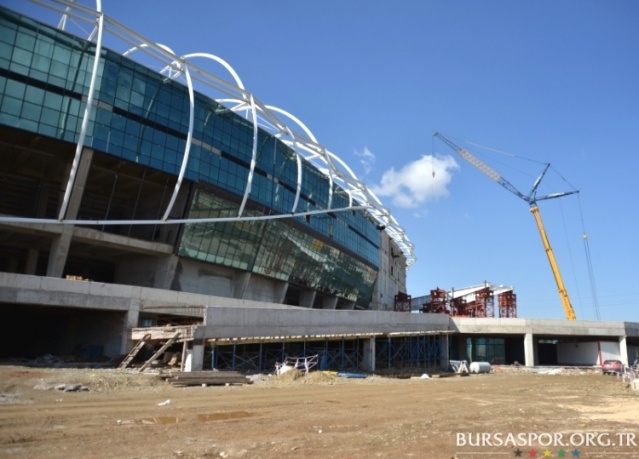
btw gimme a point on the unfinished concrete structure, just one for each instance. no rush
(132, 199)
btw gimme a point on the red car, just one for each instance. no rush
(611, 367)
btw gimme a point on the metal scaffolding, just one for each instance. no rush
(422, 351)
(341, 354)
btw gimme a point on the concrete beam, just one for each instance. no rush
(245, 322)
(546, 327)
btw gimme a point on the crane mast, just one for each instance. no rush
(531, 199)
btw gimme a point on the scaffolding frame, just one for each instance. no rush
(418, 350)
(421, 351)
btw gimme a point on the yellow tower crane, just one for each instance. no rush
(531, 199)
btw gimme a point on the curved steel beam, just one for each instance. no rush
(87, 113)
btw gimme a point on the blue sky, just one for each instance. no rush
(524, 82)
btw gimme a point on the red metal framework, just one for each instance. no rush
(438, 302)
(478, 301)
(507, 304)
(402, 302)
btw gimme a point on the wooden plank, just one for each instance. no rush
(203, 373)
(161, 333)
(209, 381)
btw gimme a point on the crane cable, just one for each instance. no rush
(591, 274)
(584, 237)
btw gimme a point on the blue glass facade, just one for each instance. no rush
(142, 117)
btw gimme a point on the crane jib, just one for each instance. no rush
(530, 199)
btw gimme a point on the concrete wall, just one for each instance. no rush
(391, 278)
(261, 289)
(587, 352)
(197, 277)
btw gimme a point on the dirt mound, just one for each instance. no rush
(15, 379)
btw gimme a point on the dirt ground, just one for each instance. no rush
(507, 413)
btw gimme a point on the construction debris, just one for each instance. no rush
(304, 364)
(458, 366)
(64, 387)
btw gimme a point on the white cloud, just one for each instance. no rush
(418, 181)
(366, 159)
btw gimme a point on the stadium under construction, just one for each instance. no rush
(147, 202)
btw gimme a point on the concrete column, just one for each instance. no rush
(368, 360)
(240, 282)
(623, 350)
(60, 246)
(59, 252)
(529, 350)
(345, 305)
(307, 297)
(165, 272)
(197, 357)
(329, 302)
(131, 318)
(444, 357)
(279, 292)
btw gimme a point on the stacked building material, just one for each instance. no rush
(207, 378)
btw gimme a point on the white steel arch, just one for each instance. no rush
(304, 143)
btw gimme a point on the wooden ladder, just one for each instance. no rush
(137, 348)
(148, 363)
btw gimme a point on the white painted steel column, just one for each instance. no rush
(529, 350)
